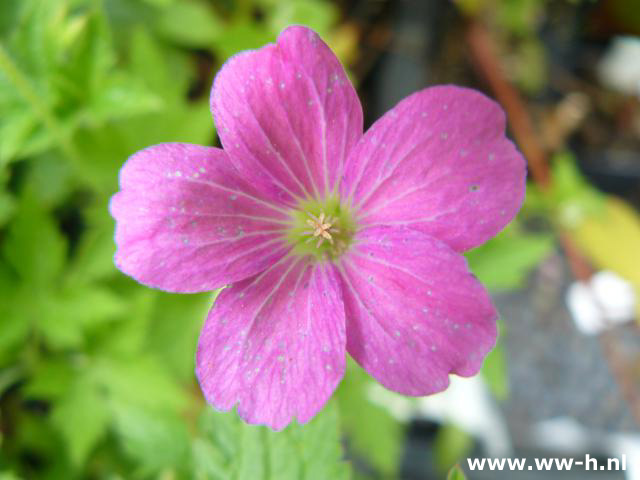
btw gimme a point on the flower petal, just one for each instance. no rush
(185, 221)
(414, 312)
(287, 115)
(275, 344)
(439, 162)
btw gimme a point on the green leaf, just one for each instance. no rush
(87, 306)
(93, 258)
(572, 197)
(139, 381)
(150, 63)
(190, 23)
(9, 15)
(505, 261)
(81, 417)
(160, 3)
(8, 475)
(109, 147)
(230, 448)
(456, 473)
(29, 65)
(494, 369)
(371, 430)
(318, 15)
(37, 435)
(15, 135)
(177, 320)
(610, 239)
(157, 440)
(34, 246)
(129, 338)
(122, 96)
(242, 35)
(7, 207)
(51, 379)
(15, 323)
(451, 445)
(50, 179)
(9, 377)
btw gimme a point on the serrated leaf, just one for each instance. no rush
(88, 58)
(30, 69)
(81, 417)
(248, 452)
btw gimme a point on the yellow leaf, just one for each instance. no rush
(611, 240)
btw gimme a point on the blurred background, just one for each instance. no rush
(96, 371)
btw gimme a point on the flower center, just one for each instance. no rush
(323, 229)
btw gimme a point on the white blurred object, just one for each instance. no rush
(467, 404)
(563, 434)
(566, 435)
(630, 446)
(619, 69)
(606, 300)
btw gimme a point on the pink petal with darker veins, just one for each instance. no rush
(275, 344)
(185, 221)
(287, 115)
(438, 162)
(414, 312)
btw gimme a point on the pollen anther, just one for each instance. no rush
(322, 228)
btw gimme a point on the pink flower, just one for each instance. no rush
(332, 240)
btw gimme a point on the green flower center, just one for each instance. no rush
(323, 229)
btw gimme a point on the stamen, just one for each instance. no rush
(322, 228)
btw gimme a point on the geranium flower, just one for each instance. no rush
(332, 241)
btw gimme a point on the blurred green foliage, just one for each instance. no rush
(452, 444)
(372, 431)
(456, 473)
(96, 372)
